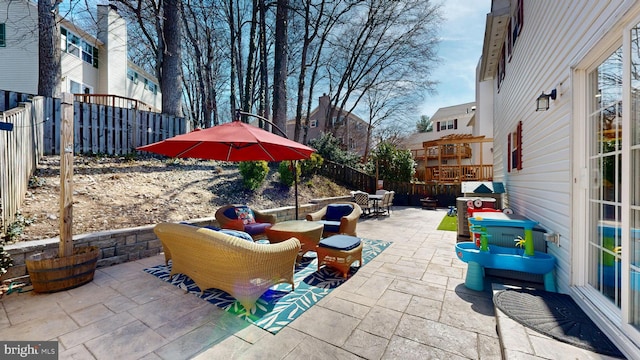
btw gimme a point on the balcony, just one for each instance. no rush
(448, 151)
(459, 173)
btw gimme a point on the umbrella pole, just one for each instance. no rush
(295, 181)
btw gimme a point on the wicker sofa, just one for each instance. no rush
(216, 260)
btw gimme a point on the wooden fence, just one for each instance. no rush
(349, 176)
(20, 150)
(11, 99)
(98, 129)
(101, 129)
(407, 193)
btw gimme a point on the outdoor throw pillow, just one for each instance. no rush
(239, 234)
(336, 211)
(245, 214)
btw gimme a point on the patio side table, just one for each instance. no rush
(308, 232)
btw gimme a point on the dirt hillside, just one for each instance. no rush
(115, 193)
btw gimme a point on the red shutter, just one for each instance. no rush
(455, 123)
(509, 156)
(438, 126)
(519, 145)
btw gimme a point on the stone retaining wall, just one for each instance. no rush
(122, 245)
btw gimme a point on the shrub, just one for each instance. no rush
(393, 164)
(312, 165)
(286, 172)
(253, 173)
(331, 148)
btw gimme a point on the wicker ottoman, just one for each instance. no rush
(339, 252)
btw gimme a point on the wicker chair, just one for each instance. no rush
(228, 219)
(362, 199)
(338, 218)
(213, 259)
(387, 201)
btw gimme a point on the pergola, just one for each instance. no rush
(451, 159)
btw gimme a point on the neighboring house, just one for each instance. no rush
(90, 64)
(454, 150)
(573, 166)
(346, 126)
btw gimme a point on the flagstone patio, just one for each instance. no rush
(410, 302)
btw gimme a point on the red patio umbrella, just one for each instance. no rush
(234, 141)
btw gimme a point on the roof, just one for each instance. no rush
(414, 141)
(462, 111)
(453, 138)
(349, 114)
(465, 113)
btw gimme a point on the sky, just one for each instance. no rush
(461, 34)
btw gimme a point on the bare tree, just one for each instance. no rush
(280, 66)
(171, 66)
(202, 65)
(263, 97)
(158, 45)
(251, 59)
(386, 42)
(49, 71)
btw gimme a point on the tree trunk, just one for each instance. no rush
(280, 64)
(49, 72)
(264, 74)
(250, 75)
(232, 42)
(303, 74)
(171, 80)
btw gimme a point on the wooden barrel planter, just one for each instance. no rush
(52, 273)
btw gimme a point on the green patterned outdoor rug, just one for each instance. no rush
(279, 306)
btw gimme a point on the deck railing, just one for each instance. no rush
(407, 193)
(114, 101)
(458, 173)
(449, 151)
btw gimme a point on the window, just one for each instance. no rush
(509, 40)
(3, 35)
(79, 88)
(149, 85)
(515, 149)
(352, 143)
(313, 123)
(501, 70)
(132, 75)
(517, 21)
(74, 45)
(447, 125)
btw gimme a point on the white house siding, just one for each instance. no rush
(20, 56)
(19, 59)
(483, 123)
(138, 91)
(113, 62)
(554, 32)
(74, 68)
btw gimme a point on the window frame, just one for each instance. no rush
(3, 35)
(75, 45)
(514, 145)
(83, 87)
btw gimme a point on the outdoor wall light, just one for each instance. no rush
(543, 100)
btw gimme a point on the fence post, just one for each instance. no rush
(66, 176)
